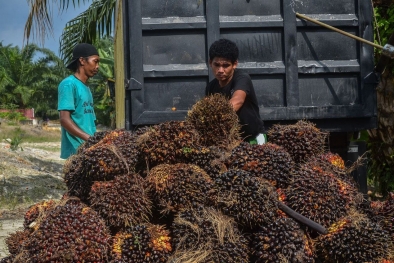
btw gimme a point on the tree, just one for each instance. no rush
(95, 23)
(381, 140)
(29, 77)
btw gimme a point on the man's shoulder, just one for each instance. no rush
(68, 80)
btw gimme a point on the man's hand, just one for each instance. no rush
(67, 123)
(238, 99)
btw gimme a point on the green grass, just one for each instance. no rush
(29, 134)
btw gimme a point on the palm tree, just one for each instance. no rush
(29, 76)
(95, 23)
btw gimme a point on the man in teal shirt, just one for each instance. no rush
(75, 105)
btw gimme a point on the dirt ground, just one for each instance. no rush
(27, 177)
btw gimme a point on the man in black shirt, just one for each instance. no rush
(238, 87)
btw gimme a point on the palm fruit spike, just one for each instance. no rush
(216, 121)
(281, 241)
(353, 238)
(302, 140)
(167, 143)
(268, 161)
(180, 186)
(122, 201)
(15, 240)
(70, 232)
(142, 243)
(37, 210)
(250, 200)
(215, 235)
(383, 212)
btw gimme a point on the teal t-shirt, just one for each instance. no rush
(76, 97)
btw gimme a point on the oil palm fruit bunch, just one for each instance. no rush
(142, 244)
(216, 121)
(281, 241)
(70, 232)
(249, 199)
(209, 232)
(181, 186)
(167, 143)
(122, 201)
(319, 195)
(94, 139)
(15, 241)
(383, 212)
(75, 177)
(115, 154)
(268, 161)
(36, 211)
(353, 238)
(207, 158)
(302, 140)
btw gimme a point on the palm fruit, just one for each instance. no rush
(122, 201)
(383, 212)
(115, 154)
(302, 140)
(334, 159)
(353, 238)
(250, 200)
(216, 121)
(15, 241)
(142, 243)
(207, 158)
(180, 186)
(281, 241)
(319, 195)
(70, 232)
(268, 161)
(215, 235)
(8, 259)
(37, 210)
(97, 136)
(167, 143)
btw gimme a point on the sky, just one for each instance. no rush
(13, 16)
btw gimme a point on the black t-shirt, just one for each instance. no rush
(248, 114)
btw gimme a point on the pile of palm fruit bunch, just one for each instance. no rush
(193, 192)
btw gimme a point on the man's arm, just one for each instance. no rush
(238, 99)
(67, 123)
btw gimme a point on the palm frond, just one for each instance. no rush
(40, 20)
(95, 23)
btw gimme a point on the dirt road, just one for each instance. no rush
(27, 177)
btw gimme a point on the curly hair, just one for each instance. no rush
(224, 48)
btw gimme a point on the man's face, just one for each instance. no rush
(91, 65)
(223, 69)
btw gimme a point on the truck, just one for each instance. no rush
(300, 70)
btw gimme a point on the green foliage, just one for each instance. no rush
(381, 164)
(16, 140)
(384, 27)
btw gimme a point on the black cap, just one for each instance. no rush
(82, 50)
